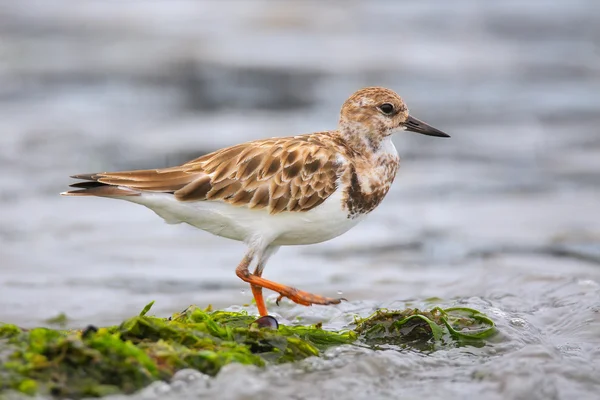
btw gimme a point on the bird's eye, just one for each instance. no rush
(386, 108)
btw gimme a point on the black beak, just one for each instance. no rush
(414, 125)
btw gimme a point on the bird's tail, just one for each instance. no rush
(91, 187)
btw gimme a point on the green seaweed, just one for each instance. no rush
(424, 329)
(146, 308)
(61, 320)
(467, 323)
(96, 362)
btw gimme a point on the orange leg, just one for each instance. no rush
(257, 283)
(257, 292)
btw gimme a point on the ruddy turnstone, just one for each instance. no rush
(281, 191)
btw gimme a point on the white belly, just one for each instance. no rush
(322, 223)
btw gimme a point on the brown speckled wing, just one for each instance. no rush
(287, 174)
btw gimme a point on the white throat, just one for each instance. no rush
(387, 148)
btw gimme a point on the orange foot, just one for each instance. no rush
(305, 298)
(257, 283)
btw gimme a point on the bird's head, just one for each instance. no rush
(375, 113)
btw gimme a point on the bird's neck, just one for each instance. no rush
(369, 176)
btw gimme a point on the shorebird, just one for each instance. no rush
(268, 193)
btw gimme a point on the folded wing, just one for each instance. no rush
(288, 174)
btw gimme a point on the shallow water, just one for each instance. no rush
(503, 217)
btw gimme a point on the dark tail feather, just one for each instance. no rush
(100, 190)
(87, 185)
(86, 177)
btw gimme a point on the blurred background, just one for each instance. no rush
(503, 217)
(100, 86)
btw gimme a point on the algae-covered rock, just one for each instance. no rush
(143, 349)
(424, 329)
